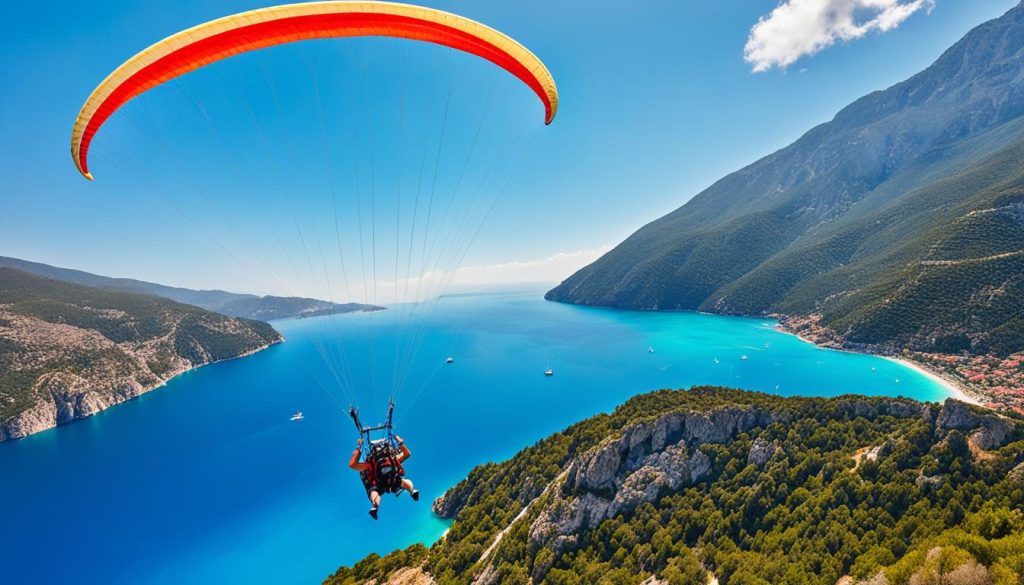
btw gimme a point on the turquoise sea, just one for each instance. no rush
(207, 480)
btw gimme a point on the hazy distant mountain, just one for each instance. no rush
(900, 222)
(68, 351)
(265, 308)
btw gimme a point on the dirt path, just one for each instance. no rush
(970, 260)
(497, 539)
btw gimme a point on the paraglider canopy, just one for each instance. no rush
(247, 31)
(337, 184)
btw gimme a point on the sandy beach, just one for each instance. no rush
(955, 390)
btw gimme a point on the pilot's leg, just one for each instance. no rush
(375, 500)
(407, 485)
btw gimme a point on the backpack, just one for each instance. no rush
(385, 471)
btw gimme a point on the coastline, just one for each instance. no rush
(115, 399)
(954, 387)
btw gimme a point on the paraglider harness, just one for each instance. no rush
(385, 470)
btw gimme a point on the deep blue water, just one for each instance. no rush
(207, 480)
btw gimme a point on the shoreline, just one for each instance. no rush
(118, 400)
(820, 338)
(955, 389)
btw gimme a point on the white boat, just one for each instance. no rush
(297, 416)
(650, 350)
(549, 372)
(450, 360)
(716, 361)
(744, 357)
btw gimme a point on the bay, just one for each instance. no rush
(208, 481)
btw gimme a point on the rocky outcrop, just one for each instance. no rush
(760, 452)
(986, 429)
(448, 505)
(879, 451)
(929, 481)
(409, 576)
(645, 461)
(653, 458)
(898, 408)
(661, 446)
(489, 576)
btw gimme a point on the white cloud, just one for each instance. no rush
(797, 28)
(554, 268)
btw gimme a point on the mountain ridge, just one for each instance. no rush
(246, 306)
(863, 221)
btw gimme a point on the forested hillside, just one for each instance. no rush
(68, 351)
(679, 486)
(900, 223)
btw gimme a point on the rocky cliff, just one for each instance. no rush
(729, 465)
(69, 351)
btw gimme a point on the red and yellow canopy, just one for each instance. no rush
(247, 31)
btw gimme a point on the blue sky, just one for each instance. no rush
(657, 102)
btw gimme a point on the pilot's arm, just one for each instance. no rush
(353, 461)
(403, 450)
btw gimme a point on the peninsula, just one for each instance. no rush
(68, 351)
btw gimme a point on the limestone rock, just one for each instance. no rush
(988, 430)
(489, 576)
(647, 460)
(598, 471)
(446, 506)
(760, 452)
(926, 482)
(410, 576)
(700, 466)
